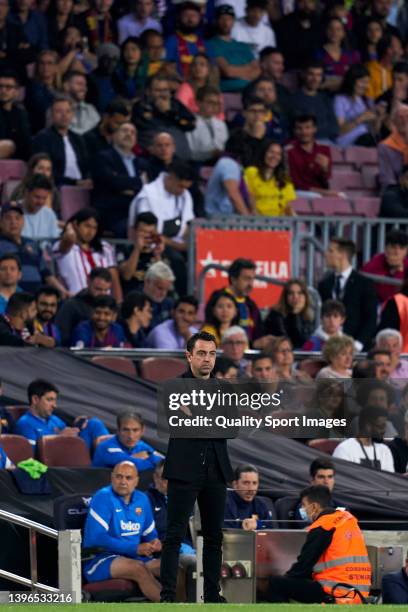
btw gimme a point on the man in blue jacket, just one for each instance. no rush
(395, 586)
(120, 536)
(244, 509)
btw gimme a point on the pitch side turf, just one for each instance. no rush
(142, 607)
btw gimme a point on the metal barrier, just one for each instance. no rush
(69, 558)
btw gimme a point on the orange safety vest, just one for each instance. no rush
(345, 560)
(402, 306)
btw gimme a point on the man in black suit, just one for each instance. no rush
(355, 291)
(197, 469)
(116, 173)
(66, 149)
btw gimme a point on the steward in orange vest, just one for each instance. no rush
(334, 552)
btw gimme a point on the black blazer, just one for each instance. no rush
(185, 455)
(51, 142)
(360, 301)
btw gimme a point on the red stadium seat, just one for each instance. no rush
(17, 411)
(232, 105)
(367, 207)
(343, 180)
(17, 448)
(331, 206)
(72, 200)
(63, 451)
(124, 365)
(337, 155)
(301, 206)
(8, 189)
(110, 590)
(157, 369)
(369, 175)
(312, 366)
(12, 169)
(361, 156)
(324, 445)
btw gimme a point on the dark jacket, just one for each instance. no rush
(185, 455)
(390, 316)
(296, 42)
(294, 326)
(321, 106)
(399, 449)
(394, 587)
(72, 312)
(394, 202)
(158, 502)
(95, 142)
(360, 301)
(14, 125)
(237, 509)
(8, 335)
(51, 142)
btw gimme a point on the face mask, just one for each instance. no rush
(303, 515)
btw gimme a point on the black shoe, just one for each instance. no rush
(218, 599)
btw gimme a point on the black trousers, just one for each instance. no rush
(282, 589)
(209, 489)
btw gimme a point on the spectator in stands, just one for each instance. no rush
(207, 140)
(60, 17)
(381, 360)
(79, 308)
(255, 29)
(19, 313)
(174, 333)
(103, 91)
(15, 132)
(201, 75)
(328, 402)
(153, 51)
(302, 25)
(117, 175)
(40, 163)
(138, 21)
(40, 221)
(158, 282)
(293, 315)
(47, 299)
(391, 340)
(101, 27)
(40, 421)
(234, 343)
(379, 394)
(10, 276)
(123, 557)
(391, 264)
(334, 56)
(16, 51)
(281, 349)
(74, 52)
(393, 151)
(127, 445)
(136, 316)
(359, 121)
(235, 60)
(389, 51)
(394, 314)
(399, 449)
(309, 162)
(85, 115)
(100, 331)
(264, 369)
(269, 184)
(338, 352)
(381, 10)
(373, 32)
(182, 46)
(253, 135)
(158, 111)
(100, 137)
(221, 313)
(225, 369)
(394, 201)
(275, 117)
(333, 315)
(130, 75)
(272, 64)
(244, 509)
(309, 100)
(66, 149)
(355, 291)
(81, 249)
(34, 269)
(396, 94)
(364, 449)
(32, 22)
(394, 586)
(42, 88)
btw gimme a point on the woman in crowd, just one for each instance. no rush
(41, 90)
(129, 77)
(201, 74)
(85, 251)
(60, 16)
(269, 184)
(328, 402)
(334, 56)
(74, 52)
(136, 316)
(359, 120)
(221, 312)
(338, 352)
(40, 163)
(293, 315)
(374, 31)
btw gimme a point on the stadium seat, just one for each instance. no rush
(157, 369)
(17, 448)
(369, 175)
(301, 206)
(72, 200)
(324, 445)
(12, 169)
(16, 411)
(63, 451)
(123, 365)
(8, 188)
(331, 206)
(344, 180)
(366, 207)
(285, 511)
(232, 105)
(361, 156)
(337, 155)
(312, 366)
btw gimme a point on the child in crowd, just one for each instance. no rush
(333, 317)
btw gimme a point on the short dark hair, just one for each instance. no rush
(397, 237)
(129, 415)
(181, 169)
(269, 51)
(252, 100)
(18, 302)
(305, 118)
(241, 469)
(117, 108)
(377, 351)
(369, 414)
(62, 98)
(45, 290)
(368, 386)
(345, 245)
(383, 45)
(8, 73)
(40, 387)
(11, 257)
(187, 299)
(134, 299)
(104, 301)
(320, 464)
(400, 68)
(71, 74)
(38, 181)
(223, 364)
(201, 335)
(313, 64)
(146, 217)
(318, 494)
(238, 265)
(208, 90)
(262, 4)
(103, 273)
(263, 356)
(331, 307)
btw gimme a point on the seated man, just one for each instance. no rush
(100, 137)
(253, 135)
(391, 340)
(225, 369)
(392, 152)
(174, 333)
(391, 264)
(207, 140)
(86, 117)
(394, 201)
(10, 276)
(264, 369)
(244, 509)
(40, 421)
(158, 284)
(47, 300)
(234, 343)
(101, 330)
(120, 523)
(333, 315)
(394, 586)
(127, 445)
(327, 557)
(15, 323)
(40, 221)
(255, 29)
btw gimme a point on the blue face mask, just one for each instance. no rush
(303, 515)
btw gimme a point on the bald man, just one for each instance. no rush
(120, 525)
